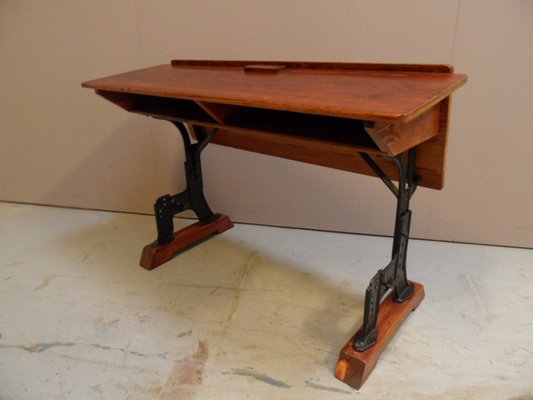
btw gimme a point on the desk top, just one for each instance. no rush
(319, 113)
(372, 92)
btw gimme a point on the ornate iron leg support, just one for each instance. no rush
(168, 242)
(382, 319)
(393, 276)
(191, 198)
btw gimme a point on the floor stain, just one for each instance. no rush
(186, 377)
(148, 391)
(41, 347)
(476, 293)
(193, 370)
(183, 334)
(317, 386)
(250, 261)
(142, 318)
(44, 283)
(97, 389)
(257, 376)
(216, 288)
(133, 352)
(103, 325)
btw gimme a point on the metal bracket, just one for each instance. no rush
(394, 275)
(192, 198)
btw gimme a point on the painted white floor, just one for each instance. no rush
(255, 313)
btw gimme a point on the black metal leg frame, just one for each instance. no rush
(170, 243)
(192, 198)
(393, 276)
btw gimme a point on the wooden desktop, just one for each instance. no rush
(384, 120)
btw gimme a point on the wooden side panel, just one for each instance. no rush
(327, 154)
(335, 155)
(395, 138)
(218, 111)
(431, 155)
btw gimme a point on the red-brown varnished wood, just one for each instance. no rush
(354, 367)
(261, 68)
(373, 95)
(431, 154)
(443, 68)
(318, 113)
(312, 151)
(336, 149)
(401, 105)
(321, 140)
(153, 256)
(396, 138)
(219, 112)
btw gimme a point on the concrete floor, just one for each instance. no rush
(255, 313)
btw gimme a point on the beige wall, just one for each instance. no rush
(63, 145)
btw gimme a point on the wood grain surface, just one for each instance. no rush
(373, 95)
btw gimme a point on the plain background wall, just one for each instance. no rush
(63, 145)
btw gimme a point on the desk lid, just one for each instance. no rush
(372, 92)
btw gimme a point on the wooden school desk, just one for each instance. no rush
(384, 120)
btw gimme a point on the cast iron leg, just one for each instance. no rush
(192, 198)
(394, 275)
(170, 243)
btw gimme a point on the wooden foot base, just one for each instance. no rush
(354, 367)
(153, 255)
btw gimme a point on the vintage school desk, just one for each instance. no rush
(387, 120)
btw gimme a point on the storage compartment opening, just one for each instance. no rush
(168, 108)
(158, 107)
(343, 131)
